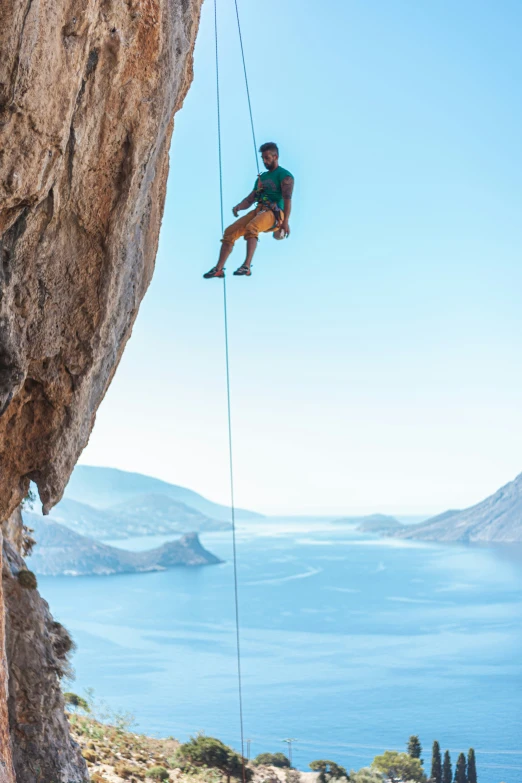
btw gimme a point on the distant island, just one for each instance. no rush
(107, 504)
(374, 523)
(495, 520)
(60, 551)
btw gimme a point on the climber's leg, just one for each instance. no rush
(251, 243)
(233, 232)
(226, 249)
(263, 221)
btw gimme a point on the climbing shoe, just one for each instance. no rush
(214, 272)
(243, 270)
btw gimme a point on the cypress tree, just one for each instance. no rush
(414, 747)
(446, 768)
(436, 764)
(472, 767)
(460, 769)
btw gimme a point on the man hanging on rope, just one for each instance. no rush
(273, 194)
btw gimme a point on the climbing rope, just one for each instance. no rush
(246, 84)
(227, 363)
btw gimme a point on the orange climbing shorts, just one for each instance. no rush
(255, 222)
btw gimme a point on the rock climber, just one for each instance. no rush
(273, 194)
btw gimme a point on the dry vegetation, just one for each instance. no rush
(117, 755)
(114, 754)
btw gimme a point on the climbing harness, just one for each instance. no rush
(227, 360)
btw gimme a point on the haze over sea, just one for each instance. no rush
(350, 644)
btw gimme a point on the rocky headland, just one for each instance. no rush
(62, 552)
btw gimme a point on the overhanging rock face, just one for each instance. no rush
(88, 91)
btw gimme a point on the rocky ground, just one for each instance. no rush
(116, 755)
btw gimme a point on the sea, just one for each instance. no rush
(350, 643)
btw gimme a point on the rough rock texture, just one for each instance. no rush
(37, 649)
(13, 530)
(88, 90)
(7, 774)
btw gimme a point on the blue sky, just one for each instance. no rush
(376, 352)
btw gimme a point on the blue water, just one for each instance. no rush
(350, 644)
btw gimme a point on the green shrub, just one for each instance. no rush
(365, 775)
(89, 755)
(202, 751)
(76, 702)
(158, 773)
(27, 580)
(272, 760)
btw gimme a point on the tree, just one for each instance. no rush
(436, 764)
(447, 775)
(460, 769)
(472, 767)
(399, 766)
(273, 760)
(328, 770)
(414, 747)
(203, 751)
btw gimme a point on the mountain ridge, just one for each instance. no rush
(103, 488)
(496, 519)
(142, 515)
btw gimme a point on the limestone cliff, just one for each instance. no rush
(36, 652)
(88, 92)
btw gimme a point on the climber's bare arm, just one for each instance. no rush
(287, 188)
(285, 224)
(245, 204)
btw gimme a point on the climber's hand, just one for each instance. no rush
(235, 211)
(286, 228)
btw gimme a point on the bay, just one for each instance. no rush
(350, 643)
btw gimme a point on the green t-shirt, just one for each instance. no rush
(275, 186)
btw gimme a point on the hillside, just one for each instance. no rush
(104, 488)
(60, 551)
(118, 755)
(497, 519)
(143, 515)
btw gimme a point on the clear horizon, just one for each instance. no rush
(374, 353)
